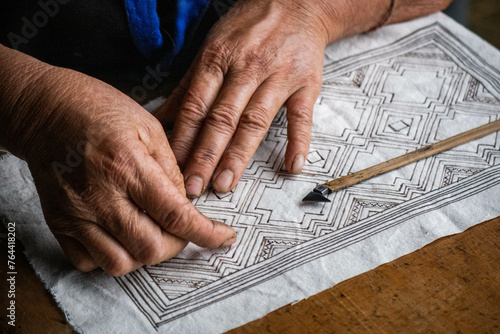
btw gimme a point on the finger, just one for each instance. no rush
(252, 127)
(157, 146)
(300, 107)
(76, 253)
(167, 113)
(205, 84)
(105, 250)
(219, 127)
(142, 237)
(166, 159)
(154, 192)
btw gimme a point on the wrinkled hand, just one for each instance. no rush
(109, 184)
(260, 55)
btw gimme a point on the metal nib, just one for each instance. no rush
(315, 197)
(318, 195)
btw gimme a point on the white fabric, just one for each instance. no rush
(385, 93)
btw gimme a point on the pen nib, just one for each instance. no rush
(315, 197)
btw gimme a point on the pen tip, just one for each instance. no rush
(315, 198)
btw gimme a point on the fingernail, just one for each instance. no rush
(228, 242)
(223, 182)
(194, 186)
(298, 164)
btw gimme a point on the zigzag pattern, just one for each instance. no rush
(422, 89)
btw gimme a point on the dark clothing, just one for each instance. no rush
(90, 36)
(93, 36)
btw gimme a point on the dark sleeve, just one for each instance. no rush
(90, 36)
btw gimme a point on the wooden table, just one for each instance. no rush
(450, 285)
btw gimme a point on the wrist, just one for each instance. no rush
(343, 18)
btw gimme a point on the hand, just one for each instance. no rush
(109, 185)
(259, 56)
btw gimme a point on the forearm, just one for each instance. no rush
(342, 18)
(20, 107)
(34, 99)
(405, 10)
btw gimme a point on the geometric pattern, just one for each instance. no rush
(421, 89)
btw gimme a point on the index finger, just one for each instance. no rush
(153, 191)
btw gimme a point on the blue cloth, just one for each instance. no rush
(188, 11)
(144, 25)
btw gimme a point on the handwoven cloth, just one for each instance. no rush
(384, 94)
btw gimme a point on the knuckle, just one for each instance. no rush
(208, 241)
(155, 128)
(83, 263)
(179, 221)
(193, 110)
(316, 79)
(245, 77)
(214, 58)
(63, 226)
(308, 74)
(122, 228)
(300, 116)
(116, 271)
(176, 177)
(300, 123)
(224, 117)
(205, 157)
(117, 265)
(111, 217)
(300, 73)
(251, 70)
(116, 166)
(147, 251)
(150, 130)
(255, 119)
(238, 156)
(151, 252)
(93, 197)
(76, 229)
(296, 65)
(260, 59)
(181, 149)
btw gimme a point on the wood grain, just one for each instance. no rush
(36, 310)
(450, 285)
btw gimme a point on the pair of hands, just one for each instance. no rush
(108, 180)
